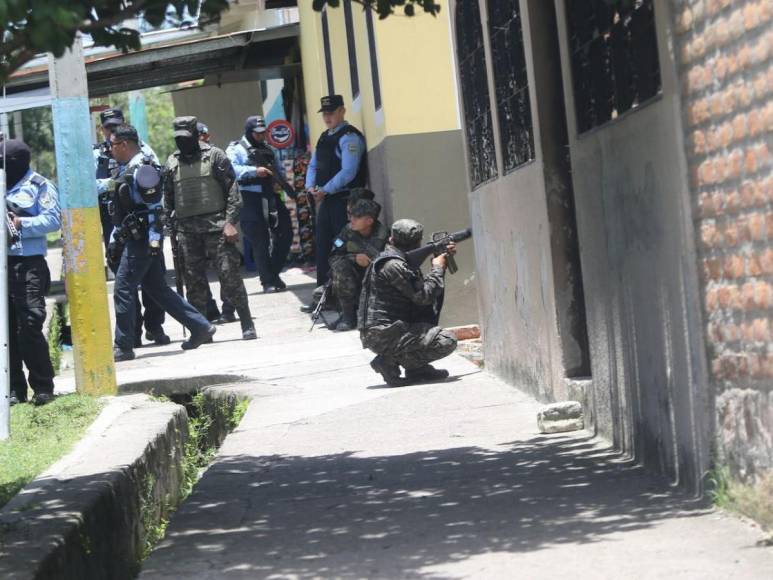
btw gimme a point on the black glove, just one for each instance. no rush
(114, 251)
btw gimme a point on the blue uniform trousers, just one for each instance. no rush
(331, 218)
(270, 246)
(139, 267)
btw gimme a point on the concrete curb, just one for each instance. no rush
(83, 518)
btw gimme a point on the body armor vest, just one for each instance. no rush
(383, 303)
(197, 192)
(329, 164)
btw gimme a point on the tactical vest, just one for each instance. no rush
(197, 192)
(329, 163)
(382, 303)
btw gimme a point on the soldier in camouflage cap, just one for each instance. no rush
(399, 310)
(357, 245)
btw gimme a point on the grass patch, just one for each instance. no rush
(55, 338)
(753, 501)
(40, 436)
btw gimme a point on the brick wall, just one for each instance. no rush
(725, 50)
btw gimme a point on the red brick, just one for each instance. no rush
(742, 225)
(712, 268)
(709, 235)
(720, 169)
(767, 115)
(769, 225)
(745, 94)
(751, 16)
(732, 201)
(721, 67)
(753, 266)
(762, 330)
(726, 296)
(705, 205)
(748, 194)
(763, 291)
(699, 111)
(762, 155)
(756, 122)
(706, 173)
(739, 127)
(726, 134)
(698, 143)
(735, 164)
(750, 162)
(712, 300)
(719, 203)
(731, 239)
(714, 141)
(748, 297)
(757, 227)
(755, 365)
(766, 262)
(695, 79)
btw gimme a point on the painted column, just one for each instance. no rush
(83, 261)
(5, 378)
(137, 114)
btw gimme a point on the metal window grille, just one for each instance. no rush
(328, 56)
(473, 81)
(614, 57)
(511, 87)
(353, 72)
(373, 57)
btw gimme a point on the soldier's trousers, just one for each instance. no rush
(270, 245)
(201, 249)
(347, 282)
(139, 267)
(28, 283)
(411, 345)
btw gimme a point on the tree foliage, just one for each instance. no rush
(31, 27)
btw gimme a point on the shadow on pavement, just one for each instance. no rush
(348, 516)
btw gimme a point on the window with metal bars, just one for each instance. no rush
(328, 55)
(614, 58)
(373, 56)
(473, 80)
(511, 87)
(354, 74)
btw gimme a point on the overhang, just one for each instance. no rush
(269, 52)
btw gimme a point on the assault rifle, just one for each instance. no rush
(264, 157)
(321, 304)
(14, 235)
(437, 247)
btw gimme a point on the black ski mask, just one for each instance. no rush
(188, 146)
(16, 161)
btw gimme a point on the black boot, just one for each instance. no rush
(425, 374)
(199, 338)
(348, 319)
(248, 328)
(387, 369)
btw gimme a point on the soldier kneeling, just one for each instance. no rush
(399, 311)
(358, 244)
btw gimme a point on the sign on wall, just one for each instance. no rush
(281, 134)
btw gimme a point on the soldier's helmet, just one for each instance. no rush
(407, 233)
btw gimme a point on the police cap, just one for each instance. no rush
(185, 126)
(407, 233)
(110, 117)
(330, 103)
(202, 128)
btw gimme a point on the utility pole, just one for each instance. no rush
(83, 261)
(5, 377)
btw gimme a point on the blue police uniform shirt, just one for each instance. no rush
(350, 151)
(39, 204)
(238, 153)
(103, 184)
(136, 161)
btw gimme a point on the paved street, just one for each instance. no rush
(333, 475)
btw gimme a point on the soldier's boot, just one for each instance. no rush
(213, 313)
(426, 373)
(388, 369)
(248, 328)
(348, 319)
(199, 338)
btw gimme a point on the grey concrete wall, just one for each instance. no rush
(422, 176)
(639, 267)
(222, 107)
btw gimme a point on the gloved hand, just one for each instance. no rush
(114, 251)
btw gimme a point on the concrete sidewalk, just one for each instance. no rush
(333, 475)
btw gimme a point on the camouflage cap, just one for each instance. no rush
(185, 126)
(407, 233)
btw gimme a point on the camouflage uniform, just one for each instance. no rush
(201, 236)
(345, 273)
(398, 316)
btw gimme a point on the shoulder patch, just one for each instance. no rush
(353, 147)
(45, 199)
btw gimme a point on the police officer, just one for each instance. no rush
(265, 219)
(358, 244)
(33, 204)
(136, 245)
(337, 165)
(200, 188)
(399, 311)
(106, 171)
